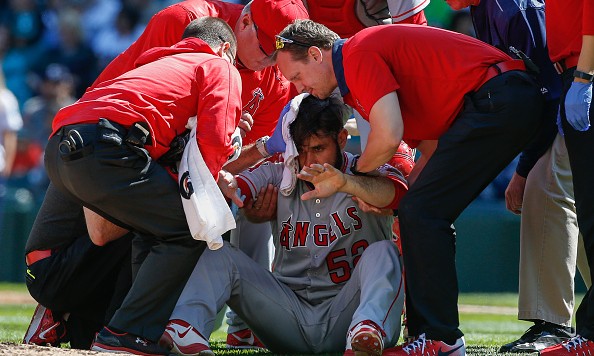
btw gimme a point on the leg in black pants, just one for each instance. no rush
(124, 183)
(495, 124)
(87, 281)
(580, 147)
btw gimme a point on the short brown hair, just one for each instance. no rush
(307, 32)
(213, 31)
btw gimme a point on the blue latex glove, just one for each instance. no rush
(577, 105)
(276, 143)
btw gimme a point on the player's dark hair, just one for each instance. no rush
(213, 31)
(309, 33)
(320, 117)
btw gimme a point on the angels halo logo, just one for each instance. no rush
(185, 185)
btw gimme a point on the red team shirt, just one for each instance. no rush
(564, 37)
(430, 72)
(264, 93)
(197, 83)
(340, 15)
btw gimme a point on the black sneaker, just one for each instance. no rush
(538, 337)
(110, 341)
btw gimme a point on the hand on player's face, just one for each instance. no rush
(318, 150)
(318, 157)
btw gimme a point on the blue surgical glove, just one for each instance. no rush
(276, 143)
(577, 105)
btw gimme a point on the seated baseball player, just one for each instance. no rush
(337, 280)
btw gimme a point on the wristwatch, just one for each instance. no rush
(583, 75)
(261, 146)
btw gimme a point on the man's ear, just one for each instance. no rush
(315, 53)
(245, 21)
(223, 48)
(342, 138)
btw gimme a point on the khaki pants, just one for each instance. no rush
(550, 243)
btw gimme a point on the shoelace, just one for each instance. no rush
(575, 342)
(419, 343)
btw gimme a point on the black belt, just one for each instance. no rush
(565, 64)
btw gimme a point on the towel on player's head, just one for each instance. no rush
(290, 155)
(206, 209)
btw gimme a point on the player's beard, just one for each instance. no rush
(339, 157)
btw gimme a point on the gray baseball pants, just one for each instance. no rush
(284, 322)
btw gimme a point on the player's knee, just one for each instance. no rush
(101, 234)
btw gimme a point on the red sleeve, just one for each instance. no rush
(243, 186)
(358, 68)
(163, 30)
(218, 112)
(400, 185)
(587, 19)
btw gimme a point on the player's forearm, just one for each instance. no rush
(377, 191)
(586, 61)
(249, 157)
(384, 138)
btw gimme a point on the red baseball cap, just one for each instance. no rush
(272, 16)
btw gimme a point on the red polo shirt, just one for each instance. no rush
(430, 69)
(566, 25)
(172, 85)
(264, 93)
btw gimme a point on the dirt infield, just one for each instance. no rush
(10, 297)
(32, 350)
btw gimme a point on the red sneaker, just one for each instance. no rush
(425, 347)
(577, 345)
(244, 339)
(44, 330)
(182, 338)
(365, 338)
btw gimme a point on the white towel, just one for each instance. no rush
(206, 209)
(290, 155)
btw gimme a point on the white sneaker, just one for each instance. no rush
(365, 338)
(182, 338)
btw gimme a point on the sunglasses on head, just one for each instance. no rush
(281, 41)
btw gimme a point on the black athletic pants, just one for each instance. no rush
(580, 147)
(494, 125)
(122, 182)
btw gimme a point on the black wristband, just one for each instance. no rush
(354, 167)
(583, 75)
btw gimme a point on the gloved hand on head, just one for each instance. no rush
(276, 143)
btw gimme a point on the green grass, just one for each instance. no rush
(484, 333)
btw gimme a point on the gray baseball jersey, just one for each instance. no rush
(317, 242)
